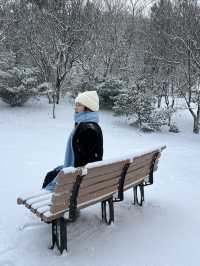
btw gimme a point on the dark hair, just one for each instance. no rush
(87, 109)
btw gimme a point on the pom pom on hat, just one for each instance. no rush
(89, 99)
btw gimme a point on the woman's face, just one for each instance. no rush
(79, 108)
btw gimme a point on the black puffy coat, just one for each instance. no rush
(87, 143)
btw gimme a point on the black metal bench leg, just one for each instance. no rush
(54, 236)
(135, 193)
(111, 209)
(59, 234)
(110, 204)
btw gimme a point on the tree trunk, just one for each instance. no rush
(57, 95)
(49, 98)
(159, 101)
(196, 126)
(169, 120)
(54, 106)
(189, 75)
(197, 121)
(172, 103)
(58, 85)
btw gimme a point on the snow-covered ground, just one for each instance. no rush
(164, 232)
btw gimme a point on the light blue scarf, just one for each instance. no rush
(78, 118)
(69, 153)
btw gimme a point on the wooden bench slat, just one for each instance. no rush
(63, 188)
(134, 183)
(136, 177)
(48, 216)
(145, 170)
(134, 166)
(133, 176)
(143, 159)
(67, 178)
(42, 210)
(102, 178)
(145, 155)
(98, 180)
(59, 208)
(58, 199)
(23, 198)
(94, 201)
(105, 169)
(136, 169)
(141, 171)
(96, 187)
(111, 190)
(38, 205)
(28, 203)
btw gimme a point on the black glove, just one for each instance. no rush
(51, 175)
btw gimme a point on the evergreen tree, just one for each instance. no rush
(17, 83)
(139, 103)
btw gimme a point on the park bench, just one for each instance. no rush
(100, 182)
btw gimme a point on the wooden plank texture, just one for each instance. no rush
(105, 169)
(23, 198)
(94, 195)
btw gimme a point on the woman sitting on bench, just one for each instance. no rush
(85, 143)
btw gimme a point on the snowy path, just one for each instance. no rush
(164, 232)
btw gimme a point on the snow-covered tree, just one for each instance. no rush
(138, 102)
(18, 84)
(108, 89)
(186, 40)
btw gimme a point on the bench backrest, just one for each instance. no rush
(141, 167)
(63, 190)
(86, 185)
(99, 180)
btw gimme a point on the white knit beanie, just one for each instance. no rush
(89, 99)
